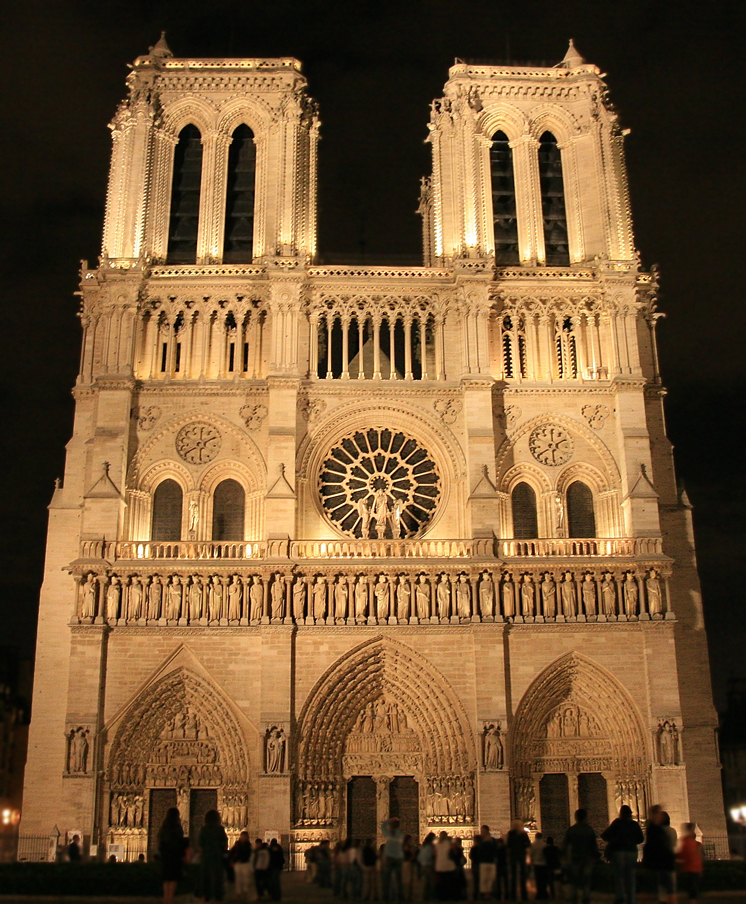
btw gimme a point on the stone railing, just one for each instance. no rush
(392, 549)
(620, 547)
(193, 550)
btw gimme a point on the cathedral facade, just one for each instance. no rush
(339, 542)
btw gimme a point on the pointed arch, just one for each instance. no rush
(139, 754)
(376, 668)
(612, 739)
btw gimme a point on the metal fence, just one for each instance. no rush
(34, 848)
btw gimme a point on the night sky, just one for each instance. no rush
(676, 75)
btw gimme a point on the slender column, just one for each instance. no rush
(205, 318)
(423, 346)
(439, 339)
(614, 347)
(155, 361)
(392, 349)
(329, 325)
(313, 347)
(545, 326)
(223, 348)
(345, 348)
(573, 791)
(408, 375)
(171, 352)
(360, 362)
(377, 348)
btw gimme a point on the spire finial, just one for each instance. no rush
(572, 58)
(160, 49)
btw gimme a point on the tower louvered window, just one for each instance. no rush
(523, 504)
(556, 248)
(167, 503)
(228, 511)
(503, 200)
(581, 520)
(185, 189)
(239, 203)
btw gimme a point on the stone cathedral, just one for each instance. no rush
(341, 542)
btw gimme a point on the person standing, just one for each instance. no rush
(242, 859)
(408, 867)
(486, 875)
(690, 861)
(502, 869)
(622, 838)
(426, 864)
(276, 865)
(658, 852)
(73, 850)
(459, 874)
(393, 859)
(554, 865)
(370, 874)
(539, 863)
(261, 867)
(171, 847)
(581, 853)
(444, 868)
(213, 844)
(518, 844)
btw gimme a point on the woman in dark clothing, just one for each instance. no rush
(171, 853)
(658, 852)
(212, 843)
(622, 838)
(276, 863)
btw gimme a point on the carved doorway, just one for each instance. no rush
(554, 800)
(404, 803)
(361, 807)
(593, 797)
(161, 800)
(201, 800)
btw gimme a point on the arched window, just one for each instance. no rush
(167, 502)
(239, 202)
(184, 222)
(556, 248)
(523, 503)
(503, 200)
(581, 520)
(228, 505)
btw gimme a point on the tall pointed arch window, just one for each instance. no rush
(523, 505)
(167, 505)
(185, 188)
(581, 519)
(238, 245)
(228, 505)
(556, 248)
(504, 216)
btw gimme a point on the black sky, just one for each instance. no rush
(676, 75)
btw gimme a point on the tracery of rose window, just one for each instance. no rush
(379, 484)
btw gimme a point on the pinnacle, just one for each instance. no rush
(160, 49)
(572, 58)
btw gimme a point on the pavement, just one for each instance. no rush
(296, 890)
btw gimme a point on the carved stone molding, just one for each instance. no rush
(253, 415)
(551, 445)
(198, 443)
(596, 415)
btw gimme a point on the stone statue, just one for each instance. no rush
(395, 519)
(195, 600)
(631, 594)
(361, 597)
(567, 593)
(653, 587)
(113, 595)
(299, 599)
(90, 593)
(443, 594)
(422, 597)
(235, 592)
(559, 509)
(216, 600)
(381, 512)
(549, 596)
(527, 596)
(363, 509)
(588, 588)
(403, 597)
(463, 597)
(667, 743)
(277, 597)
(193, 517)
(77, 757)
(135, 600)
(486, 596)
(340, 597)
(381, 591)
(275, 750)
(508, 596)
(494, 754)
(608, 594)
(319, 598)
(155, 597)
(256, 599)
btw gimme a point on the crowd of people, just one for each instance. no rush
(400, 869)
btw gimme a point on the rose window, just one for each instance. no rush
(379, 484)
(551, 445)
(198, 443)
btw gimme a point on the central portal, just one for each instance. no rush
(404, 799)
(365, 812)
(361, 808)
